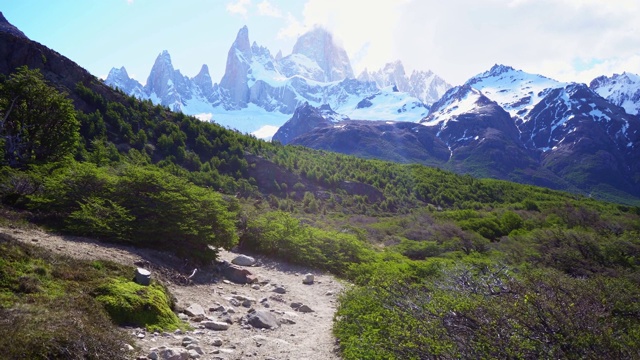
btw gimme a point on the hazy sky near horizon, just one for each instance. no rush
(568, 40)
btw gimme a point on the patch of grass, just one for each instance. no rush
(51, 307)
(129, 303)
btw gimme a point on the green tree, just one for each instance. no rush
(37, 123)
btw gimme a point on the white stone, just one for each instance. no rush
(308, 279)
(194, 310)
(143, 276)
(215, 325)
(243, 260)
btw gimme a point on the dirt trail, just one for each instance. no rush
(299, 336)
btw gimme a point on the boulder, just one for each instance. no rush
(143, 276)
(262, 320)
(239, 275)
(308, 279)
(195, 310)
(243, 260)
(304, 309)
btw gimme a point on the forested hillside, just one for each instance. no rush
(444, 266)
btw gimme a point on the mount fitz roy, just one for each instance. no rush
(508, 124)
(258, 86)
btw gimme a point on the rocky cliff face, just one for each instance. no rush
(234, 80)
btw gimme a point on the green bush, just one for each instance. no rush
(281, 235)
(141, 205)
(490, 311)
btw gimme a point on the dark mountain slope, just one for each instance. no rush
(58, 70)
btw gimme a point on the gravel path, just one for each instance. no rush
(299, 335)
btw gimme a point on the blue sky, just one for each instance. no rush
(569, 40)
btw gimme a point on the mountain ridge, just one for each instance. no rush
(508, 124)
(317, 71)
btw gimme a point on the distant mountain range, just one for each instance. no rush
(503, 123)
(258, 86)
(507, 124)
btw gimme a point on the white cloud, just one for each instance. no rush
(293, 29)
(362, 27)
(459, 39)
(265, 8)
(204, 116)
(240, 7)
(266, 132)
(542, 36)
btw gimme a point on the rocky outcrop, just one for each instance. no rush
(237, 274)
(234, 81)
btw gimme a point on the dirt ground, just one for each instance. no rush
(300, 335)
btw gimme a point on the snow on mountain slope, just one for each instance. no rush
(576, 109)
(386, 104)
(457, 101)
(464, 117)
(515, 90)
(622, 90)
(427, 86)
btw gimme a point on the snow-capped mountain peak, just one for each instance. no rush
(424, 85)
(258, 90)
(515, 90)
(319, 46)
(119, 79)
(620, 89)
